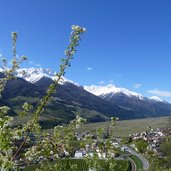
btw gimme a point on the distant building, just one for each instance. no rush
(78, 154)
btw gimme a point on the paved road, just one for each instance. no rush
(133, 165)
(143, 159)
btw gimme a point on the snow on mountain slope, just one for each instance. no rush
(110, 90)
(103, 90)
(156, 99)
(35, 74)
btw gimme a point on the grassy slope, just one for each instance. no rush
(126, 127)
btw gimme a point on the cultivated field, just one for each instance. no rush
(126, 127)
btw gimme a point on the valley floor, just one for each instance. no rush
(125, 127)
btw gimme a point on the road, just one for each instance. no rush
(143, 159)
(133, 165)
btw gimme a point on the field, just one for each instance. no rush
(126, 127)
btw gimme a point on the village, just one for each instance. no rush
(139, 145)
(152, 139)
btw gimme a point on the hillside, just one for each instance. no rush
(71, 99)
(68, 101)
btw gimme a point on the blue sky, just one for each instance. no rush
(127, 43)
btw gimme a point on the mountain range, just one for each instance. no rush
(95, 103)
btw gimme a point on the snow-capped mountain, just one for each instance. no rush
(155, 98)
(111, 89)
(96, 103)
(118, 94)
(33, 75)
(107, 92)
(130, 101)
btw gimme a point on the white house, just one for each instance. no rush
(78, 154)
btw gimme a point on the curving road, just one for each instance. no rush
(142, 158)
(133, 165)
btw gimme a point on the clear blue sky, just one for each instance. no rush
(128, 42)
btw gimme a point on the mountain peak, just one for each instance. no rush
(35, 74)
(111, 88)
(158, 99)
